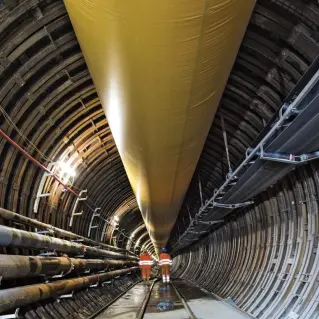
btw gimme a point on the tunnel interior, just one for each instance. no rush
(60, 229)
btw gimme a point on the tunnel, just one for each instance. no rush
(128, 126)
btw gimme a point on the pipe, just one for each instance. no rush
(21, 238)
(8, 215)
(33, 160)
(160, 71)
(14, 266)
(22, 296)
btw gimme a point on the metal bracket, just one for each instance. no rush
(291, 159)
(48, 254)
(232, 206)
(197, 232)
(41, 232)
(107, 283)
(58, 276)
(94, 286)
(77, 240)
(66, 296)
(211, 222)
(282, 157)
(12, 316)
(76, 205)
(95, 214)
(41, 186)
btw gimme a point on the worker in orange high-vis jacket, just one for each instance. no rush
(165, 262)
(145, 265)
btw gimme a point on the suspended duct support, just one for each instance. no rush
(8, 215)
(293, 130)
(20, 238)
(13, 266)
(160, 70)
(22, 296)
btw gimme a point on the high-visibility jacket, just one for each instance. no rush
(165, 259)
(145, 260)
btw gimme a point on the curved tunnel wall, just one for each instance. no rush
(266, 257)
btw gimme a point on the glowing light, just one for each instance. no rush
(116, 219)
(66, 169)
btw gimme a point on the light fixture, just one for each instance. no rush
(66, 169)
(116, 218)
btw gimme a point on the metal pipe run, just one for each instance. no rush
(21, 296)
(8, 215)
(13, 266)
(33, 160)
(21, 238)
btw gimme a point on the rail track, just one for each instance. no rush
(169, 299)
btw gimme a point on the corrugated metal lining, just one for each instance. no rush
(265, 258)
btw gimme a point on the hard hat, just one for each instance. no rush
(164, 250)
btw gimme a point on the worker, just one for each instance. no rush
(165, 262)
(145, 265)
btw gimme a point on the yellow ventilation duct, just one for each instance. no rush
(160, 68)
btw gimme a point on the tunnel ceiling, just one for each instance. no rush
(48, 94)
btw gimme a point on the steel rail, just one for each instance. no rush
(184, 302)
(22, 296)
(140, 313)
(112, 301)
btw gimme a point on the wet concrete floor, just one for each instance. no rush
(206, 306)
(165, 303)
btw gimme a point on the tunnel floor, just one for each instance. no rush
(165, 302)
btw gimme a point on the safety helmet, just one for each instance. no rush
(164, 250)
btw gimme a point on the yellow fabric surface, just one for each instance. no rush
(160, 68)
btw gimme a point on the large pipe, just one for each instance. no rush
(160, 68)
(21, 296)
(33, 160)
(21, 238)
(8, 215)
(14, 266)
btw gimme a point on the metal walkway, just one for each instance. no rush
(178, 300)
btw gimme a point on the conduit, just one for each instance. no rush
(33, 160)
(160, 70)
(14, 266)
(8, 215)
(21, 296)
(20, 238)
